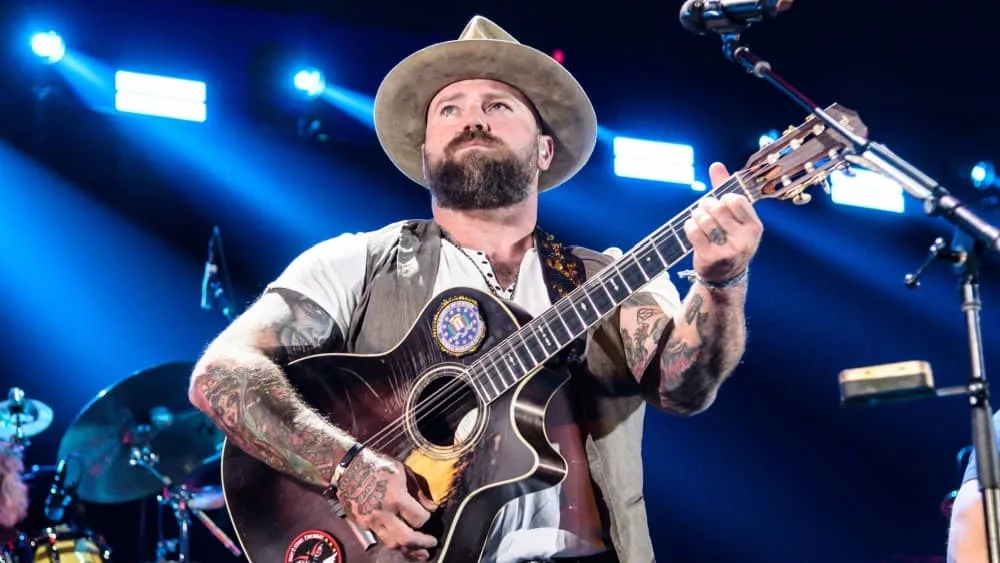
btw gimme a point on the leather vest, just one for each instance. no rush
(402, 268)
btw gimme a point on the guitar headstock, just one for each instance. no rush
(804, 156)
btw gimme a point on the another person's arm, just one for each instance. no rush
(967, 529)
(967, 532)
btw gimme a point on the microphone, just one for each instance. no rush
(59, 497)
(211, 269)
(728, 16)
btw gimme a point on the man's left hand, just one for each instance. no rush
(725, 232)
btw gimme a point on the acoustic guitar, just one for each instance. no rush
(469, 352)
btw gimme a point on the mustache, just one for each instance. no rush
(470, 135)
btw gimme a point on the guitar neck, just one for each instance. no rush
(539, 340)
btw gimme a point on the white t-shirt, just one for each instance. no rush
(332, 273)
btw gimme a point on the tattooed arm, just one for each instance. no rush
(704, 342)
(708, 336)
(238, 384)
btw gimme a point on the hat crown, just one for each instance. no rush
(482, 28)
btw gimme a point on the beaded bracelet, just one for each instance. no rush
(691, 275)
(341, 468)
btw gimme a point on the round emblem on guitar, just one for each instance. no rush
(459, 327)
(314, 546)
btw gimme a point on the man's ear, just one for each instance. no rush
(546, 150)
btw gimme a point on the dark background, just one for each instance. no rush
(104, 220)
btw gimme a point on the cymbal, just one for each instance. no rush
(148, 409)
(33, 417)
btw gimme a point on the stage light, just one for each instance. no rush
(49, 46)
(310, 81)
(864, 188)
(654, 160)
(983, 175)
(560, 56)
(768, 138)
(160, 96)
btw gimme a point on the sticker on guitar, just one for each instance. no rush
(314, 546)
(459, 327)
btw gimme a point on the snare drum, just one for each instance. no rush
(63, 544)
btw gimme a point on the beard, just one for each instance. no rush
(491, 179)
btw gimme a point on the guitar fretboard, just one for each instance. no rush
(543, 337)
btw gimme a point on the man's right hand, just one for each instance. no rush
(381, 496)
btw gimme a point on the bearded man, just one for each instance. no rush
(485, 124)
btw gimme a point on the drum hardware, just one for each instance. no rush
(65, 543)
(142, 437)
(22, 418)
(183, 503)
(148, 411)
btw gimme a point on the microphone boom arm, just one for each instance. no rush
(936, 201)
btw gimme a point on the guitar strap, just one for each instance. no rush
(563, 272)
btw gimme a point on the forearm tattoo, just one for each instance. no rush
(686, 375)
(253, 403)
(704, 348)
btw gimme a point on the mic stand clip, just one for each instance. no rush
(983, 238)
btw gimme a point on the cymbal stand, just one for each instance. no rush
(18, 408)
(178, 498)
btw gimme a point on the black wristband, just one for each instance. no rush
(341, 467)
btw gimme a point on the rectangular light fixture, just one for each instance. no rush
(864, 188)
(654, 160)
(160, 96)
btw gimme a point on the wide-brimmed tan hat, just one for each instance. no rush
(485, 51)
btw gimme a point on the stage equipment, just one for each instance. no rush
(973, 236)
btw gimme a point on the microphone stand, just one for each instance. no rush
(220, 291)
(937, 201)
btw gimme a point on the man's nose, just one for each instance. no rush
(478, 123)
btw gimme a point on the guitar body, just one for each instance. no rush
(501, 451)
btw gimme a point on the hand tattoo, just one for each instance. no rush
(363, 490)
(717, 236)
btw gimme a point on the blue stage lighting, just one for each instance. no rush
(49, 46)
(864, 188)
(310, 81)
(983, 175)
(656, 161)
(768, 138)
(160, 96)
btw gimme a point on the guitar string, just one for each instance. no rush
(438, 399)
(736, 183)
(452, 390)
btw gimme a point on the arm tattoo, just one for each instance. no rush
(642, 324)
(247, 395)
(308, 329)
(692, 366)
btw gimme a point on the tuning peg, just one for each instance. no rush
(801, 198)
(791, 129)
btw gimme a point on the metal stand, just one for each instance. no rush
(969, 226)
(178, 498)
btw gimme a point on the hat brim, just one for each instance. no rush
(401, 103)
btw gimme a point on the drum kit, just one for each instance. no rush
(139, 438)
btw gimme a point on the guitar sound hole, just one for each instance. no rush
(447, 413)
